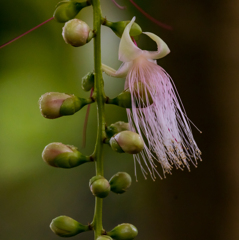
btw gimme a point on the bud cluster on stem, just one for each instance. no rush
(118, 135)
(154, 109)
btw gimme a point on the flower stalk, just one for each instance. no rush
(158, 128)
(99, 98)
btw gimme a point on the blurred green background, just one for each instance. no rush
(202, 204)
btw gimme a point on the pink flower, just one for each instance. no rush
(158, 116)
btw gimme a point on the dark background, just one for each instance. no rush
(202, 204)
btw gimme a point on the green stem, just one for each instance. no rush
(99, 97)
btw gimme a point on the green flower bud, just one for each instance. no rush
(73, 104)
(118, 28)
(116, 128)
(99, 186)
(120, 182)
(64, 156)
(127, 141)
(64, 226)
(122, 100)
(142, 97)
(104, 237)
(54, 105)
(76, 33)
(67, 10)
(124, 231)
(87, 82)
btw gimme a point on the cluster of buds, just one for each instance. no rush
(158, 129)
(118, 135)
(64, 226)
(76, 32)
(101, 187)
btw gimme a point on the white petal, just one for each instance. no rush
(128, 51)
(120, 73)
(163, 49)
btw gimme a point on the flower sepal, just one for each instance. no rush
(122, 100)
(73, 105)
(142, 97)
(119, 27)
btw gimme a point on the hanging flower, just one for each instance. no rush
(158, 116)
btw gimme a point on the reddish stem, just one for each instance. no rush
(86, 121)
(120, 7)
(13, 40)
(151, 18)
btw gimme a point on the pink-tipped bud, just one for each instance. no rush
(50, 104)
(52, 150)
(54, 105)
(127, 141)
(76, 33)
(64, 156)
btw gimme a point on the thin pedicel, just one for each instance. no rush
(120, 7)
(86, 121)
(13, 40)
(151, 18)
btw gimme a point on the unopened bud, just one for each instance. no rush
(99, 186)
(120, 182)
(67, 10)
(118, 28)
(87, 82)
(104, 237)
(127, 141)
(116, 128)
(64, 156)
(141, 95)
(64, 226)
(76, 33)
(124, 231)
(122, 100)
(54, 105)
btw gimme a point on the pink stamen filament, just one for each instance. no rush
(86, 121)
(13, 40)
(120, 7)
(151, 18)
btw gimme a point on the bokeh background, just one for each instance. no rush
(202, 204)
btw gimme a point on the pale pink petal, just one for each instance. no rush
(162, 51)
(128, 51)
(120, 73)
